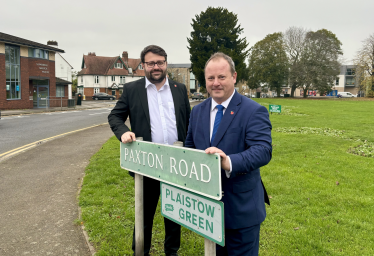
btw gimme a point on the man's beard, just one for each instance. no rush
(153, 80)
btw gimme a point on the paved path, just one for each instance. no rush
(38, 195)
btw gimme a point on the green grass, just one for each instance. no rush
(321, 191)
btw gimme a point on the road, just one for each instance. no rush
(17, 131)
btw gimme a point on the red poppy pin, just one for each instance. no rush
(175, 85)
(232, 112)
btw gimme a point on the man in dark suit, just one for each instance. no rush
(159, 111)
(239, 130)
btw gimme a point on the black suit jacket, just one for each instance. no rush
(133, 103)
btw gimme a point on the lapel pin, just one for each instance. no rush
(175, 85)
(232, 112)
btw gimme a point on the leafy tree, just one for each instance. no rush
(216, 30)
(319, 61)
(268, 63)
(75, 82)
(364, 61)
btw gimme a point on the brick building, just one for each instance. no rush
(27, 75)
(107, 74)
(182, 73)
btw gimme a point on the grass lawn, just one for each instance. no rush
(320, 179)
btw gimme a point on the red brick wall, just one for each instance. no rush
(29, 68)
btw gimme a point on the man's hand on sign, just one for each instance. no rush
(128, 137)
(225, 162)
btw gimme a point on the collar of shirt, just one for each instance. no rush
(166, 84)
(225, 104)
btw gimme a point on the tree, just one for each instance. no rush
(364, 61)
(74, 81)
(294, 39)
(268, 63)
(319, 61)
(216, 30)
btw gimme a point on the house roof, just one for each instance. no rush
(99, 65)
(62, 81)
(20, 41)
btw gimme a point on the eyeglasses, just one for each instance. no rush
(159, 63)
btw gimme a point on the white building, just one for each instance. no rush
(107, 74)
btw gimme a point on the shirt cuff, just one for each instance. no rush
(228, 172)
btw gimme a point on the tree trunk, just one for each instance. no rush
(305, 93)
(293, 89)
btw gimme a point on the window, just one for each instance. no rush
(80, 89)
(119, 65)
(337, 81)
(350, 81)
(60, 91)
(38, 53)
(140, 67)
(113, 78)
(81, 79)
(122, 79)
(12, 72)
(96, 79)
(96, 90)
(350, 72)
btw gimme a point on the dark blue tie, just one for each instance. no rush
(219, 116)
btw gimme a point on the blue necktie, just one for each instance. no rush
(219, 116)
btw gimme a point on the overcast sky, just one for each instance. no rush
(110, 27)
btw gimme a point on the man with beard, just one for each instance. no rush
(159, 111)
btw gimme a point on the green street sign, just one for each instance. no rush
(275, 108)
(197, 213)
(190, 169)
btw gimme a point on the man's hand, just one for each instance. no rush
(225, 163)
(128, 137)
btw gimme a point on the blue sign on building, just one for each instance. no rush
(17, 88)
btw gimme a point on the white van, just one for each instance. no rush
(346, 95)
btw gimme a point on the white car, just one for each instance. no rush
(346, 95)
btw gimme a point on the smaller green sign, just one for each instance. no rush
(275, 108)
(198, 213)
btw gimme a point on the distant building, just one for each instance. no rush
(107, 74)
(28, 75)
(182, 73)
(346, 80)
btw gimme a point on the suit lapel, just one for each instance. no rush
(205, 120)
(144, 99)
(176, 99)
(227, 118)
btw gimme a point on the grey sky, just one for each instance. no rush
(111, 27)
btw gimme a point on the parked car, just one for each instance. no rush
(346, 95)
(197, 96)
(103, 96)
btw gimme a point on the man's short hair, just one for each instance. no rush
(219, 55)
(153, 49)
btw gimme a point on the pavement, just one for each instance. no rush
(39, 190)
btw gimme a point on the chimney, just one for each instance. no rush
(125, 57)
(53, 43)
(92, 54)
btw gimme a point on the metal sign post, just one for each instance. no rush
(139, 213)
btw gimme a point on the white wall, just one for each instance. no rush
(63, 71)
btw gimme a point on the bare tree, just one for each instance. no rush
(294, 39)
(364, 61)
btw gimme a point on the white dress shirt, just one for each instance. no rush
(213, 112)
(161, 113)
